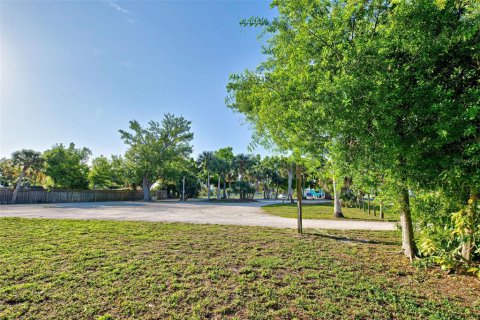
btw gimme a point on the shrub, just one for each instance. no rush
(445, 227)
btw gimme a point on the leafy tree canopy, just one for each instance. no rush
(67, 166)
(153, 150)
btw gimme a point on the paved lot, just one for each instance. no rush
(249, 214)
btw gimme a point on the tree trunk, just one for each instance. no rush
(276, 193)
(146, 189)
(224, 189)
(290, 191)
(218, 189)
(299, 199)
(229, 188)
(303, 185)
(337, 208)
(208, 186)
(382, 215)
(408, 241)
(369, 207)
(17, 187)
(183, 188)
(468, 246)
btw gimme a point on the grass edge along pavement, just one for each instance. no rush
(88, 269)
(324, 210)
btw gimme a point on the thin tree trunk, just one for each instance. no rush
(290, 191)
(303, 186)
(218, 189)
(369, 208)
(468, 246)
(337, 208)
(382, 215)
(17, 187)
(229, 188)
(208, 186)
(299, 199)
(146, 189)
(224, 189)
(276, 193)
(183, 188)
(408, 241)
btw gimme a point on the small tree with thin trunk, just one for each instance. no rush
(220, 167)
(205, 162)
(26, 159)
(226, 155)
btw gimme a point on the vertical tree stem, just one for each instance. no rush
(299, 199)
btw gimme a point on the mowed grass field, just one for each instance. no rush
(325, 211)
(69, 269)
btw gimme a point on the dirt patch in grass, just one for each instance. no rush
(88, 269)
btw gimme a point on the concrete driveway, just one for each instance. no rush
(193, 211)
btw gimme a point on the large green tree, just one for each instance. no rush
(107, 173)
(153, 150)
(67, 166)
(348, 79)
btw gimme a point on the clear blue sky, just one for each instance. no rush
(78, 71)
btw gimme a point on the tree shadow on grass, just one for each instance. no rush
(352, 240)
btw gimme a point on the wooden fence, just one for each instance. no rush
(43, 196)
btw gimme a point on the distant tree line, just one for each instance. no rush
(159, 156)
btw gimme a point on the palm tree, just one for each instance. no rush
(257, 175)
(243, 162)
(220, 167)
(231, 176)
(205, 162)
(26, 159)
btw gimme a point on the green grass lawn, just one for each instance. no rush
(67, 269)
(324, 211)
